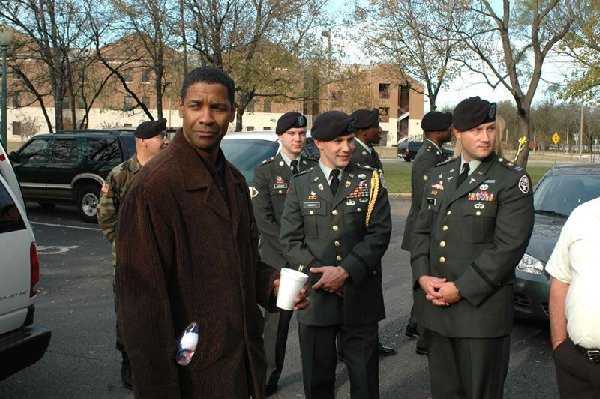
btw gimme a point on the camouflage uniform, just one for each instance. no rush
(113, 192)
(115, 187)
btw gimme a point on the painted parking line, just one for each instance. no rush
(66, 226)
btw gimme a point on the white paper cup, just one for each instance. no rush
(290, 283)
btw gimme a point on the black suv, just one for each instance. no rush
(70, 166)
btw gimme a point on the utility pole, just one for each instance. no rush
(581, 132)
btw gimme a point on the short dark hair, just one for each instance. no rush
(209, 75)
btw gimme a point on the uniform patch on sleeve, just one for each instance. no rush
(524, 184)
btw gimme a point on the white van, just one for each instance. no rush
(22, 343)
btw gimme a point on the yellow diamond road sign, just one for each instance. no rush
(556, 138)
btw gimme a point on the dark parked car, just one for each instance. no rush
(562, 189)
(247, 150)
(408, 150)
(70, 166)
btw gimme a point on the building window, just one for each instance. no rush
(127, 103)
(249, 128)
(267, 105)
(403, 98)
(146, 73)
(127, 76)
(267, 128)
(146, 100)
(16, 99)
(384, 91)
(251, 105)
(384, 114)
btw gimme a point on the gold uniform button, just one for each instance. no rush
(478, 213)
(339, 258)
(334, 212)
(443, 244)
(442, 259)
(445, 228)
(449, 213)
(337, 244)
(335, 228)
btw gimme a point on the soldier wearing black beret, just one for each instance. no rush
(473, 227)
(271, 184)
(436, 129)
(368, 134)
(150, 129)
(149, 141)
(336, 226)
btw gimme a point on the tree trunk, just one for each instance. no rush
(239, 115)
(58, 104)
(159, 91)
(524, 131)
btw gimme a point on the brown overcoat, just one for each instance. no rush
(185, 256)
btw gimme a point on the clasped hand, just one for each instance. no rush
(439, 291)
(332, 279)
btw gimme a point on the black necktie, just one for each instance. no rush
(294, 167)
(335, 181)
(463, 175)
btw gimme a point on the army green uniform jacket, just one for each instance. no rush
(113, 192)
(271, 183)
(362, 156)
(427, 157)
(474, 236)
(319, 229)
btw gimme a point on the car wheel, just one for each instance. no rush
(47, 206)
(87, 202)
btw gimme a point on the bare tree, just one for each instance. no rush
(56, 30)
(154, 24)
(508, 43)
(408, 33)
(582, 44)
(242, 37)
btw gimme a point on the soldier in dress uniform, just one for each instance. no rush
(149, 140)
(336, 225)
(474, 225)
(368, 134)
(271, 183)
(436, 128)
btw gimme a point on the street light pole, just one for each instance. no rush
(5, 39)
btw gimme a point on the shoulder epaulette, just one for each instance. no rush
(510, 165)
(446, 161)
(266, 161)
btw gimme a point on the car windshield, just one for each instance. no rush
(246, 155)
(558, 195)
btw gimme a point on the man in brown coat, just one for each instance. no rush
(188, 252)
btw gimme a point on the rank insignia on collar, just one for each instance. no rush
(472, 180)
(321, 186)
(280, 163)
(348, 183)
(452, 170)
(316, 178)
(450, 178)
(304, 162)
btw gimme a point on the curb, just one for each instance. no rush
(399, 195)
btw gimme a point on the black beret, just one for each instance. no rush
(472, 112)
(365, 118)
(149, 129)
(332, 124)
(290, 120)
(436, 121)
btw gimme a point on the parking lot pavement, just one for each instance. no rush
(76, 303)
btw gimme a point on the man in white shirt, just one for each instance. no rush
(575, 304)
